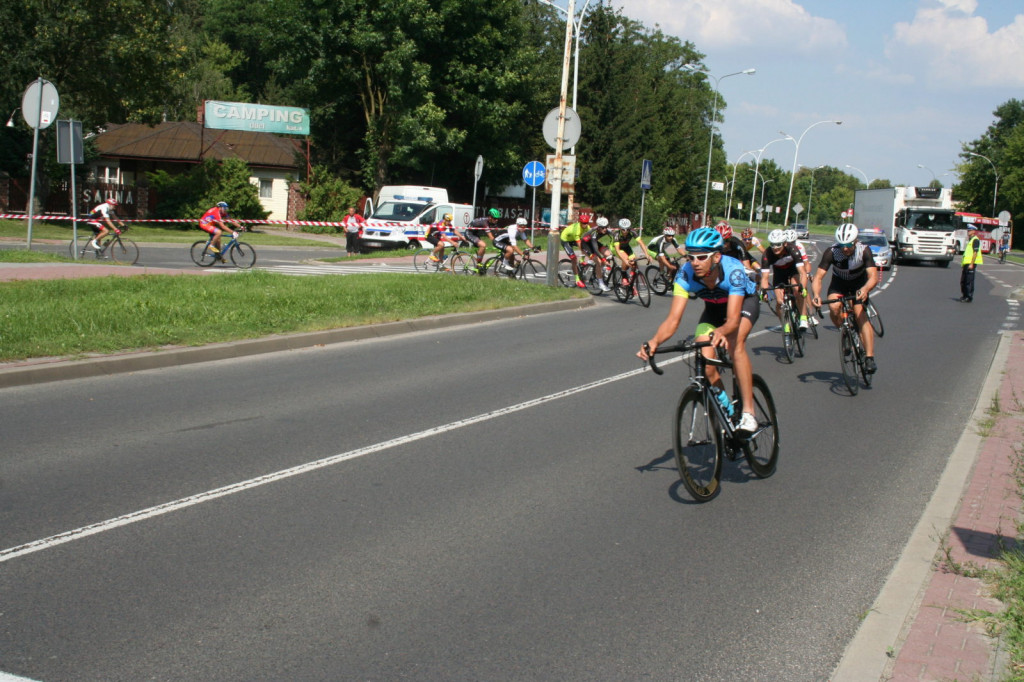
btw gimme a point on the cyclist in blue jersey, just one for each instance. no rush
(730, 310)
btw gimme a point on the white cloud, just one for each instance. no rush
(954, 48)
(730, 24)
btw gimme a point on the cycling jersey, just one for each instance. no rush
(573, 233)
(849, 273)
(659, 244)
(783, 265)
(733, 282)
(480, 227)
(733, 246)
(594, 240)
(509, 236)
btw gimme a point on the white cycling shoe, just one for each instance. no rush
(747, 423)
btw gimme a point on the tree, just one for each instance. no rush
(188, 195)
(1002, 145)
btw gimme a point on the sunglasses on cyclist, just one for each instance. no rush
(846, 246)
(699, 257)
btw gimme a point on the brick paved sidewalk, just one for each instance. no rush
(939, 644)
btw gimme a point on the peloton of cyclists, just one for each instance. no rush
(853, 272)
(730, 311)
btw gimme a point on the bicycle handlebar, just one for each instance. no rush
(686, 345)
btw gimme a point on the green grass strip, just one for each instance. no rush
(72, 317)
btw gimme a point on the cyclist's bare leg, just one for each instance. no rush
(741, 365)
(834, 309)
(867, 332)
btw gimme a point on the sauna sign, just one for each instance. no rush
(257, 118)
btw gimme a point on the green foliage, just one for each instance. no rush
(327, 198)
(189, 195)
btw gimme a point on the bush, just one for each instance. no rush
(189, 195)
(327, 199)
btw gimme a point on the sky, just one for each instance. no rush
(911, 80)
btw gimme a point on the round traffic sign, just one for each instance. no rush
(534, 173)
(571, 134)
(40, 103)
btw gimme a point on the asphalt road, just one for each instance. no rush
(497, 501)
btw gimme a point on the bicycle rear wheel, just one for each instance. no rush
(421, 261)
(658, 280)
(798, 335)
(812, 326)
(848, 358)
(590, 279)
(762, 447)
(874, 318)
(615, 282)
(463, 264)
(643, 289)
(698, 446)
(201, 255)
(123, 250)
(242, 255)
(566, 277)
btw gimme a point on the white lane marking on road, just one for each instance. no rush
(191, 501)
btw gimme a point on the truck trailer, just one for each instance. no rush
(917, 221)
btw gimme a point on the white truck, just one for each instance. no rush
(917, 221)
(400, 218)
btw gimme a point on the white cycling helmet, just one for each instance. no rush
(791, 236)
(847, 233)
(669, 232)
(624, 223)
(521, 221)
(602, 222)
(776, 237)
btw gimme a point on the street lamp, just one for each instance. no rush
(714, 117)
(928, 169)
(757, 166)
(576, 49)
(728, 210)
(995, 190)
(866, 183)
(810, 195)
(765, 181)
(10, 121)
(792, 175)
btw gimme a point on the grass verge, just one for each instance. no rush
(73, 317)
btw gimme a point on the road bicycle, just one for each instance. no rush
(587, 274)
(660, 277)
(455, 261)
(704, 430)
(852, 356)
(530, 269)
(631, 283)
(1002, 255)
(114, 246)
(242, 255)
(792, 335)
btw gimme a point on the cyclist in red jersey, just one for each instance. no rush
(214, 222)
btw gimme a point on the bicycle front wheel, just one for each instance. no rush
(243, 256)
(798, 335)
(848, 358)
(123, 250)
(590, 279)
(762, 448)
(874, 318)
(658, 280)
(812, 326)
(201, 255)
(788, 343)
(698, 446)
(532, 271)
(643, 289)
(615, 282)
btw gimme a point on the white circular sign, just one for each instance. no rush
(571, 134)
(40, 103)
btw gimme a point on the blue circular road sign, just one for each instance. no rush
(533, 173)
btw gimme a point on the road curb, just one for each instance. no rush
(39, 372)
(869, 653)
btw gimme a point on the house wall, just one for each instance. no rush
(274, 183)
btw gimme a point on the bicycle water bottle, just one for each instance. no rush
(723, 400)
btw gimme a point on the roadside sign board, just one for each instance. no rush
(69, 143)
(534, 173)
(568, 174)
(40, 103)
(646, 170)
(259, 118)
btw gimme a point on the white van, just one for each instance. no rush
(404, 211)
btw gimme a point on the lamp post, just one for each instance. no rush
(928, 169)
(792, 176)
(556, 186)
(764, 181)
(757, 166)
(995, 190)
(728, 211)
(810, 195)
(714, 117)
(866, 183)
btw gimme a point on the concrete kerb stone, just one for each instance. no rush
(21, 374)
(869, 654)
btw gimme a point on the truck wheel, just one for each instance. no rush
(412, 245)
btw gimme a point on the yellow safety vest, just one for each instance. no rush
(973, 249)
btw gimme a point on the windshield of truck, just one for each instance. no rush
(936, 222)
(397, 210)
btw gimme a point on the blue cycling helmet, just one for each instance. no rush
(704, 239)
